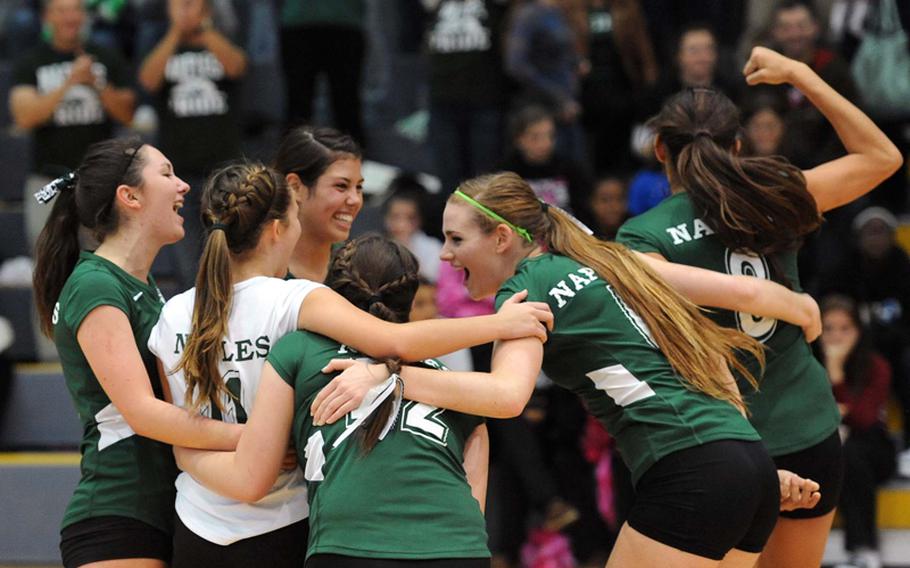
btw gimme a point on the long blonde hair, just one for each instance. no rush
(237, 203)
(692, 343)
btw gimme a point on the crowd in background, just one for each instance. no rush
(558, 91)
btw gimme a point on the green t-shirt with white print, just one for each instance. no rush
(408, 498)
(794, 407)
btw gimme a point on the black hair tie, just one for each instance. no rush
(544, 206)
(374, 300)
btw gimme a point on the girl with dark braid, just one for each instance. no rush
(406, 489)
(213, 340)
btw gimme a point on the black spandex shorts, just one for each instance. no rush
(824, 463)
(285, 547)
(338, 561)
(112, 538)
(709, 499)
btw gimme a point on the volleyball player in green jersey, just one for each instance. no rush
(648, 365)
(406, 486)
(100, 307)
(748, 216)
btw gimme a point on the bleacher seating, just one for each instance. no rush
(15, 155)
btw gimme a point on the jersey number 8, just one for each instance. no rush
(739, 264)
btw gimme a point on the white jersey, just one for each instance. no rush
(262, 311)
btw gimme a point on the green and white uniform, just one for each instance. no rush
(408, 498)
(263, 310)
(123, 474)
(794, 408)
(602, 351)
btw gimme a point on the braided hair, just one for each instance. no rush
(238, 201)
(379, 276)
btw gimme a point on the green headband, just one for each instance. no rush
(495, 216)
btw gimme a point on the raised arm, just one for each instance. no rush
(107, 341)
(248, 473)
(151, 73)
(748, 294)
(231, 57)
(477, 463)
(501, 393)
(871, 157)
(327, 313)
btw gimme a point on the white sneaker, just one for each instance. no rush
(867, 558)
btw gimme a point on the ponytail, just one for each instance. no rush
(56, 254)
(691, 342)
(754, 205)
(379, 276)
(237, 203)
(211, 310)
(83, 198)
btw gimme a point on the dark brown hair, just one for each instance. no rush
(755, 205)
(693, 344)
(379, 276)
(89, 203)
(859, 361)
(309, 151)
(238, 201)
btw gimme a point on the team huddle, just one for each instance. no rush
(218, 430)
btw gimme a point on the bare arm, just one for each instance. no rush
(477, 463)
(501, 393)
(748, 294)
(107, 341)
(248, 473)
(118, 102)
(231, 57)
(151, 73)
(327, 313)
(871, 157)
(30, 109)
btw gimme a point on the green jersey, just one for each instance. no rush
(603, 352)
(123, 474)
(406, 499)
(794, 407)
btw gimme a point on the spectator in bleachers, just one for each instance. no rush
(541, 56)
(555, 177)
(194, 74)
(323, 167)
(763, 123)
(608, 205)
(795, 32)
(403, 213)
(467, 84)
(876, 273)
(860, 378)
(622, 63)
(324, 37)
(68, 93)
(694, 65)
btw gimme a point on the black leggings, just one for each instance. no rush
(709, 499)
(823, 463)
(338, 561)
(281, 548)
